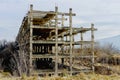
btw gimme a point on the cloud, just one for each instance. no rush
(104, 14)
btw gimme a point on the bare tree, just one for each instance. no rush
(9, 58)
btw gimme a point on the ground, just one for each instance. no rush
(81, 76)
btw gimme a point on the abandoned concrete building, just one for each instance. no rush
(46, 43)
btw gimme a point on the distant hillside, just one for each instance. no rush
(115, 41)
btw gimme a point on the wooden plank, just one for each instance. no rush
(46, 42)
(61, 42)
(65, 55)
(64, 27)
(48, 27)
(50, 56)
(52, 12)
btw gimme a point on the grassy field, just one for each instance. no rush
(81, 76)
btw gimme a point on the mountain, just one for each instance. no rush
(115, 41)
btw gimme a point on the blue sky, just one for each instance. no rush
(105, 14)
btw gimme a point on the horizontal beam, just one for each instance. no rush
(62, 42)
(65, 55)
(50, 56)
(65, 27)
(52, 12)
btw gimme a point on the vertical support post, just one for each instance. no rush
(81, 34)
(81, 39)
(92, 46)
(62, 48)
(49, 25)
(66, 46)
(56, 42)
(73, 49)
(62, 25)
(31, 33)
(71, 39)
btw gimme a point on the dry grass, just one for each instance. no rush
(83, 76)
(80, 76)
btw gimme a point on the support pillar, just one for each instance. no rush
(31, 33)
(56, 42)
(71, 39)
(81, 34)
(92, 46)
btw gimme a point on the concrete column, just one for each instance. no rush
(92, 46)
(31, 34)
(71, 39)
(56, 40)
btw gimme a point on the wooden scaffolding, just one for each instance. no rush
(46, 44)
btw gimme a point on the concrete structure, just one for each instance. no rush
(46, 44)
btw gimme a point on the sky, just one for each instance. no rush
(105, 14)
